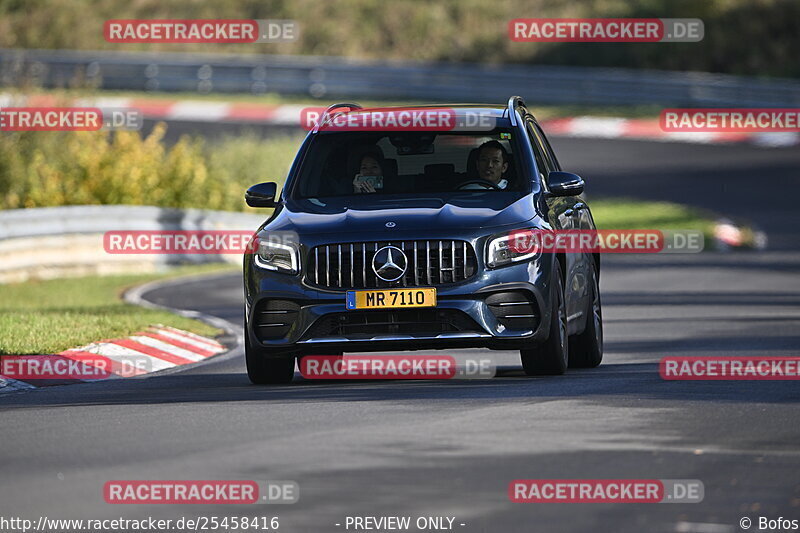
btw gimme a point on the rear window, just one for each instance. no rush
(337, 164)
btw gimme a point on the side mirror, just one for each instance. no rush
(564, 184)
(261, 195)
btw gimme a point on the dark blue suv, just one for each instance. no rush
(397, 236)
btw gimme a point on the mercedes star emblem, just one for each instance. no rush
(389, 263)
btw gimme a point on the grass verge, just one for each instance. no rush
(623, 213)
(44, 317)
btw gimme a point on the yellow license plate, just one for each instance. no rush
(391, 298)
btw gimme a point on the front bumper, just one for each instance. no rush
(467, 314)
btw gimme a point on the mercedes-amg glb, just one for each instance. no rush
(387, 239)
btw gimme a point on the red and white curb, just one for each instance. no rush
(290, 115)
(650, 129)
(159, 348)
(164, 109)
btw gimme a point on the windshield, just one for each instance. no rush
(359, 163)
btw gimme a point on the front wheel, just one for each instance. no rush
(263, 370)
(550, 358)
(586, 349)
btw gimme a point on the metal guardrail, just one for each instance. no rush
(53, 242)
(334, 77)
(98, 219)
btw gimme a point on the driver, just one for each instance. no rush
(491, 164)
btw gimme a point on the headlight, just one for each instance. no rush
(277, 256)
(513, 247)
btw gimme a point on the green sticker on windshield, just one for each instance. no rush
(505, 136)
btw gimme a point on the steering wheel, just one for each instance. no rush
(479, 182)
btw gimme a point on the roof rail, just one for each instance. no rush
(330, 109)
(513, 102)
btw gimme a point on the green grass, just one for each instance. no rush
(564, 111)
(615, 213)
(43, 317)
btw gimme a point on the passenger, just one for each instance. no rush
(371, 166)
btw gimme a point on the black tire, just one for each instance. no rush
(550, 358)
(267, 370)
(586, 349)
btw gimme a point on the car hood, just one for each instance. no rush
(368, 215)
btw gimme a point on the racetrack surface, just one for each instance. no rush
(451, 448)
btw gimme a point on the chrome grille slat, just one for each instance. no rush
(428, 260)
(405, 277)
(371, 271)
(327, 266)
(370, 253)
(452, 261)
(464, 247)
(439, 266)
(339, 265)
(316, 265)
(416, 266)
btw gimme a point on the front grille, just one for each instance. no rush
(430, 262)
(400, 321)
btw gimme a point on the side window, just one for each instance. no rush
(542, 161)
(548, 149)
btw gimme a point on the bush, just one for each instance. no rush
(42, 169)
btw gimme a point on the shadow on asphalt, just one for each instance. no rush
(608, 383)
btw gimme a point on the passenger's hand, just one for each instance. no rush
(362, 186)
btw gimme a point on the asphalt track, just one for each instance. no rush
(451, 448)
